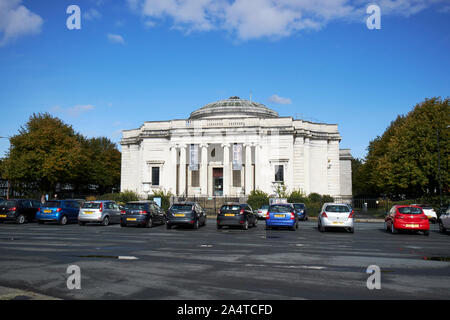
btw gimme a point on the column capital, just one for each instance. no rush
(173, 146)
(204, 145)
(182, 146)
(225, 145)
(249, 144)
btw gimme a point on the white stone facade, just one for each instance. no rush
(307, 153)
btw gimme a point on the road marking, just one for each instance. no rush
(127, 258)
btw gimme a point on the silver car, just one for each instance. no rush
(336, 215)
(103, 212)
(262, 212)
(444, 221)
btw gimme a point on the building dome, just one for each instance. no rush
(234, 107)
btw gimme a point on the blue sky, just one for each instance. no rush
(144, 60)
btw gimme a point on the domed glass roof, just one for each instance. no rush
(234, 107)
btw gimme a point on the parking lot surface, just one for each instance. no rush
(141, 263)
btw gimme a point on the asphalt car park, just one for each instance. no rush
(182, 263)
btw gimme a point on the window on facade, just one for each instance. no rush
(237, 178)
(195, 179)
(155, 176)
(279, 173)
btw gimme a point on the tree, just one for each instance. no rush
(297, 196)
(257, 199)
(45, 151)
(404, 160)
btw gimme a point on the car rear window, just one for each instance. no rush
(135, 206)
(91, 205)
(8, 203)
(266, 206)
(51, 204)
(409, 210)
(299, 206)
(426, 206)
(230, 207)
(181, 207)
(337, 209)
(279, 208)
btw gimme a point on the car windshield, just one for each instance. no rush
(337, 209)
(91, 205)
(410, 210)
(266, 206)
(299, 206)
(280, 208)
(135, 206)
(8, 203)
(51, 204)
(180, 207)
(230, 207)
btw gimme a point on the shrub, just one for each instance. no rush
(257, 199)
(327, 198)
(297, 196)
(315, 197)
(165, 198)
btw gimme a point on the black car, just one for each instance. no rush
(236, 214)
(142, 213)
(19, 210)
(301, 210)
(186, 214)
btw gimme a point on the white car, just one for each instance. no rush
(262, 212)
(336, 215)
(444, 221)
(429, 212)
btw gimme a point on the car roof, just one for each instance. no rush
(141, 201)
(183, 203)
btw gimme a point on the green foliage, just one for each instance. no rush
(165, 198)
(46, 151)
(314, 197)
(281, 190)
(404, 160)
(297, 196)
(121, 197)
(257, 199)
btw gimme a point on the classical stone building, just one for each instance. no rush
(231, 147)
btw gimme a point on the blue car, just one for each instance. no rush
(59, 211)
(282, 215)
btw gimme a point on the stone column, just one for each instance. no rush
(226, 169)
(307, 168)
(258, 166)
(248, 169)
(182, 181)
(204, 169)
(173, 169)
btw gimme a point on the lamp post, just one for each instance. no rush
(7, 192)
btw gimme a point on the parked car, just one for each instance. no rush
(261, 213)
(19, 210)
(407, 217)
(142, 213)
(59, 211)
(186, 214)
(236, 214)
(103, 212)
(336, 215)
(301, 211)
(444, 220)
(429, 212)
(282, 215)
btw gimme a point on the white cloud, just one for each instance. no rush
(74, 111)
(92, 14)
(279, 100)
(115, 38)
(250, 19)
(16, 21)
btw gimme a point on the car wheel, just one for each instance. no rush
(219, 227)
(20, 219)
(320, 227)
(442, 228)
(149, 223)
(168, 226)
(255, 223)
(245, 226)
(81, 223)
(105, 221)
(196, 224)
(393, 230)
(63, 221)
(426, 233)
(204, 223)
(352, 230)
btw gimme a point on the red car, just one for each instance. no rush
(402, 217)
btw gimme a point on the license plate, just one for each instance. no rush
(131, 219)
(88, 212)
(279, 215)
(179, 215)
(337, 222)
(412, 225)
(3, 216)
(229, 215)
(47, 211)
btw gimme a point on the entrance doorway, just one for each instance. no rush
(218, 181)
